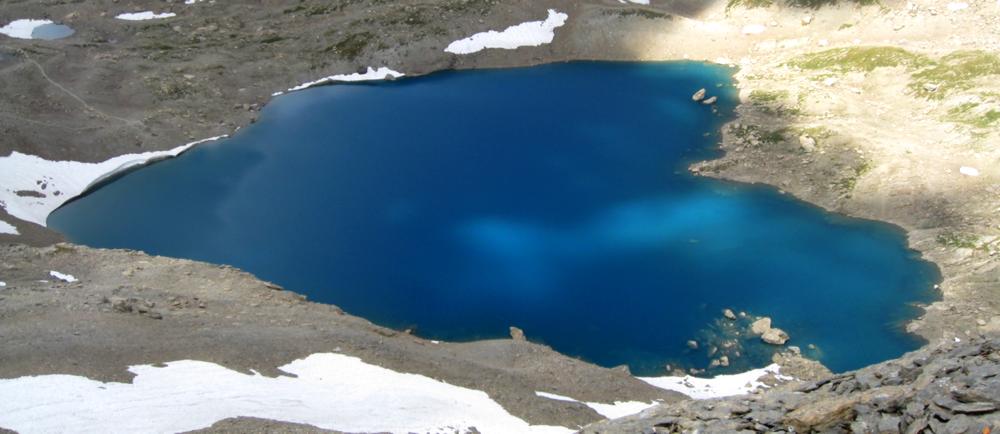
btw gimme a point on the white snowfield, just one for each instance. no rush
(22, 29)
(610, 411)
(529, 34)
(717, 387)
(143, 16)
(7, 228)
(45, 185)
(64, 277)
(330, 391)
(371, 75)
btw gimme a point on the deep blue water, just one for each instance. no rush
(553, 198)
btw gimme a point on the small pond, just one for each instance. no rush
(51, 31)
(553, 198)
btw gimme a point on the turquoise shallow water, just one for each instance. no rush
(553, 198)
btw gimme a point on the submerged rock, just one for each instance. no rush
(710, 100)
(729, 314)
(699, 95)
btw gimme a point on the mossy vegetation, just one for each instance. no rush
(352, 46)
(847, 184)
(640, 13)
(812, 4)
(959, 240)
(773, 102)
(957, 71)
(860, 59)
(760, 96)
(750, 134)
(973, 114)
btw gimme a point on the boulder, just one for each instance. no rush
(775, 336)
(729, 314)
(761, 326)
(710, 100)
(516, 334)
(699, 95)
(692, 344)
(807, 143)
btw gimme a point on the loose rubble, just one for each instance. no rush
(953, 387)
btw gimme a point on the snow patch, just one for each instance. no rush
(529, 34)
(32, 187)
(610, 411)
(968, 171)
(717, 387)
(372, 74)
(22, 29)
(330, 391)
(753, 29)
(64, 277)
(7, 228)
(143, 16)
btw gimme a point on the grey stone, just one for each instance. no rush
(888, 424)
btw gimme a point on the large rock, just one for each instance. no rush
(761, 326)
(807, 143)
(775, 336)
(699, 95)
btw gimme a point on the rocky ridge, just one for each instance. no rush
(949, 388)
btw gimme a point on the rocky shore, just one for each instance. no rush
(949, 388)
(883, 111)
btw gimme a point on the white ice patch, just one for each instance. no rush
(372, 74)
(717, 387)
(330, 391)
(64, 277)
(968, 171)
(143, 16)
(753, 29)
(610, 411)
(530, 34)
(7, 228)
(22, 29)
(45, 185)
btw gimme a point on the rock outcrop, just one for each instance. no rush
(768, 334)
(953, 387)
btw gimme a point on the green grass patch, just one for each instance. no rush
(641, 13)
(958, 240)
(758, 96)
(971, 114)
(863, 59)
(352, 46)
(846, 184)
(955, 72)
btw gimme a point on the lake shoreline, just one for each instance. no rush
(938, 217)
